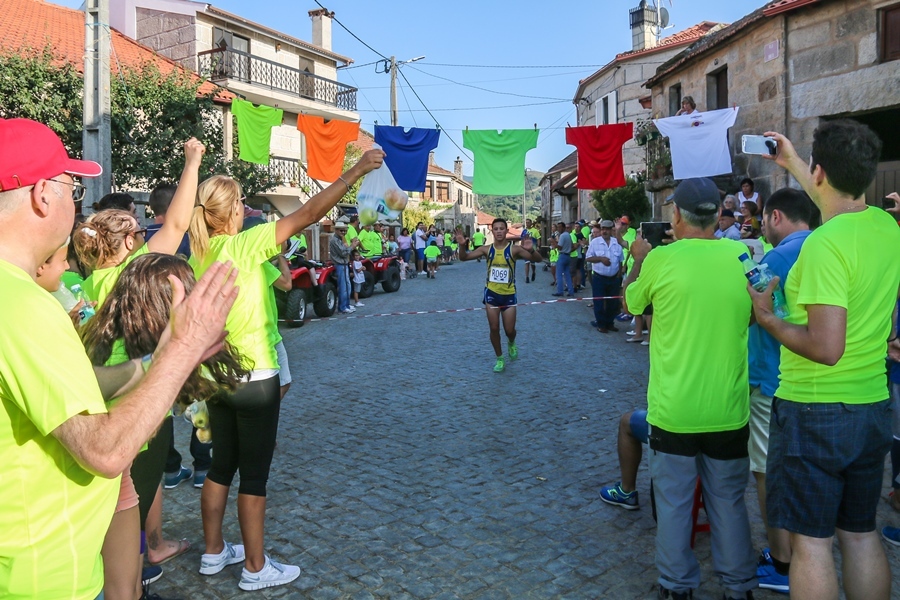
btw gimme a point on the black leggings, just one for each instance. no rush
(244, 426)
(147, 469)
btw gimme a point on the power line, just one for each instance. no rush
(408, 107)
(421, 85)
(425, 108)
(377, 113)
(344, 68)
(513, 66)
(413, 90)
(353, 34)
(484, 89)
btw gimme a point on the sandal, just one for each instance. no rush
(183, 546)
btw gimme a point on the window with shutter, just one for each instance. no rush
(890, 33)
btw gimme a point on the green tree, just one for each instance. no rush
(152, 115)
(629, 200)
(351, 158)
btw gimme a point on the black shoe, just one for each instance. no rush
(664, 594)
(613, 328)
(727, 597)
(527, 280)
(594, 324)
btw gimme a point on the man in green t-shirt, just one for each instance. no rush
(535, 234)
(54, 419)
(478, 240)
(353, 230)
(698, 399)
(831, 417)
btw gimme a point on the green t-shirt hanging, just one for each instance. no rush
(255, 125)
(500, 159)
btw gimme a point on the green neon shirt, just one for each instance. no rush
(432, 252)
(840, 266)
(500, 159)
(255, 125)
(698, 358)
(478, 238)
(100, 283)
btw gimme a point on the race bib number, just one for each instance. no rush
(499, 275)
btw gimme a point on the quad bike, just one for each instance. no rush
(384, 270)
(321, 293)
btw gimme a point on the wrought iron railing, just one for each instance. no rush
(227, 63)
(291, 172)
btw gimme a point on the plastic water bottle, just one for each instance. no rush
(759, 277)
(86, 311)
(65, 297)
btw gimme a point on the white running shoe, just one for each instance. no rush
(273, 573)
(351, 309)
(359, 304)
(210, 564)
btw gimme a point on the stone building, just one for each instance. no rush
(615, 93)
(559, 195)
(788, 66)
(450, 194)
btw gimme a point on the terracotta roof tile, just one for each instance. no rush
(32, 25)
(364, 140)
(780, 6)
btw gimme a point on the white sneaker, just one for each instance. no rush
(273, 573)
(351, 309)
(359, 304)
(210, 564)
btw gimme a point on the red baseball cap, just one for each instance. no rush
(625, 220)
(31, 151)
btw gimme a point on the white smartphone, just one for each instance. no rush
(758, 144)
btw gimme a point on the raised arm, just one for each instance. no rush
(178, 217)
(319, 205)
(463, 249)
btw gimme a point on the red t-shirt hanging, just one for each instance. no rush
(326, 145)
(600, 154)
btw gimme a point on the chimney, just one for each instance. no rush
(457, 167)
(431, 162)
(321, 27)
(643, 20)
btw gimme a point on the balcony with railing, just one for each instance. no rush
(290, 172)
(227, 64)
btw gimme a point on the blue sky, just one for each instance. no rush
(523, 33)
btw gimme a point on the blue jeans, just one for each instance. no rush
(605, 311)
(564, 271)
(343, 281)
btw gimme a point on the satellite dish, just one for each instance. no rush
(663, 17)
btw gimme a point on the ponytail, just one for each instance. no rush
(213, 212)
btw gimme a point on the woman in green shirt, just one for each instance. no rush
(245, 423)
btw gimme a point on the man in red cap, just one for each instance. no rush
(61, 450)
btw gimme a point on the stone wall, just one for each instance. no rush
(833, 66)
(170, 34)
(755, 85)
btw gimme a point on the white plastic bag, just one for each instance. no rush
(379, 197)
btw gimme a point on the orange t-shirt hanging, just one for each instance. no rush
(600, 154)
(326, 145)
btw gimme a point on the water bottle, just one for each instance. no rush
(759, 277)
(86, 311)
(65, 297)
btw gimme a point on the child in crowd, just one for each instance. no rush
(359, 276)
(554, 256)
(432, 252)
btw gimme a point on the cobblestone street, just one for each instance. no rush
(406, 468)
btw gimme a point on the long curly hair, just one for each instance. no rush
(137, 311)
(98, 240)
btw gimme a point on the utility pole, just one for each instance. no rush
(394, 119)
(97, 136)
(391, 66)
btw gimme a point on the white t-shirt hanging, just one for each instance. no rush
(699, 142)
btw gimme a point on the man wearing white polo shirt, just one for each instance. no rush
(605, 256)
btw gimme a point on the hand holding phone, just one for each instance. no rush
(655, 232)
(759, 144)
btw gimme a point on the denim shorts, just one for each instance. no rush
(825, 465)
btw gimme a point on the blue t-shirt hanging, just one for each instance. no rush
(406, 154)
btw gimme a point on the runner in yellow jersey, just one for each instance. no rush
(500, 284)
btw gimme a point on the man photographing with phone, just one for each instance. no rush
(698, 395)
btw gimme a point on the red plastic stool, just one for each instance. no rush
(695, 512)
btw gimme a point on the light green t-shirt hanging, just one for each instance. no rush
(500, 159)
(255, 125)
